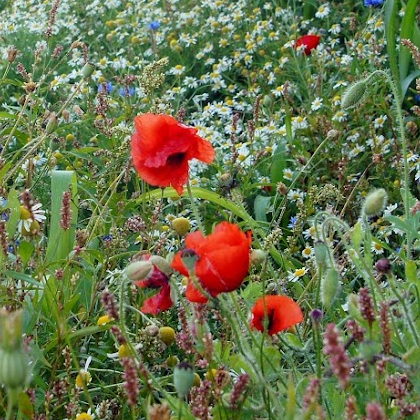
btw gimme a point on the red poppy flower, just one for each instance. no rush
(309, 41)
(162, 300)
(161, 148)
(222, 260)
(281, 311)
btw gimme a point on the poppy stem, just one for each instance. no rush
(195, 209)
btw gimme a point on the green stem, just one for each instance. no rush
(403, 139)
(195, 209)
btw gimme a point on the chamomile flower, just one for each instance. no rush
(323, 11)
(377, 248)
(297, 274)
(85, 415)
(30, 219)
(316, 104)
(379, 122)
(308, 251)
(84, 377)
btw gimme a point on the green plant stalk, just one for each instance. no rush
(195, 209)
(403, 139)
(405, 309)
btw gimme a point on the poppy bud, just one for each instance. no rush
(354, 94)
(183, 378)
(167, 335)
(181, 225)
(321, 252)
(375, 202)
(138, 270)
(189, 258)
(258, 256)
(88, 70)
(161, 264)
(330, 283)
(13, 368)
(383, 265)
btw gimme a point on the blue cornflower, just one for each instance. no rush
(107, 238)
(293, 221)
(127, 91)
(109, 87)
(154, 25)
(373, 3)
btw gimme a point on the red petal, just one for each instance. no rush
(193, 294)
(309, 41)
(159, 302)
(282, 311)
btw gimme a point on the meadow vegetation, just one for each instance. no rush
(209, 210)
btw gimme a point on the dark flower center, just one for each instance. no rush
(176, 159)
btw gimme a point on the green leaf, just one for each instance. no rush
(407, 26)
(391, 16)
(411, 272)
(23, 277)
(261, 206)
(220, 201)
(61, 242)
(357, 235)
(8, 116)
(13, 204)
(25, 405)
(405, 84)
(25, 250)
(279, 163)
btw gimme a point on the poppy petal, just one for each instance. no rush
(282, 313)
(159, 302)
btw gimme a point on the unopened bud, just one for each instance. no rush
(183, 378)
(88, 70)
(383, 265)
(138, 270)
(321, 252)
(14, 368)
(52, 123)
(354, 94)
(375, 202)
(330, 284)
(11, 54)
(258, 256)
(161, 264)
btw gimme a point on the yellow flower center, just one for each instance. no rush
(84, 416)
(25, 214)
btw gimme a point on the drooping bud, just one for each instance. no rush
(88, 70)
(383, 265)
(330, 284)
(258, 256)
(138, 270)
(162, 264)
(321, 252)
(14, 367)
(183, 378)
(375, 202)
(354, 94)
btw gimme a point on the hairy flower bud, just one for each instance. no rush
(138, 270)
(354, 94)
(375, 202)
(183, 378)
